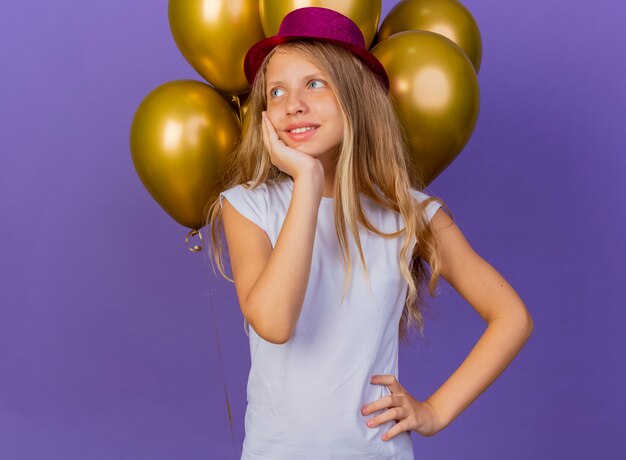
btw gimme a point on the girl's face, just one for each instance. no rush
(299, 94)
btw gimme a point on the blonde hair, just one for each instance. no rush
(372, 157)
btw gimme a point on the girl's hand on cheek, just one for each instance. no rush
(409, 413)
(287, 159)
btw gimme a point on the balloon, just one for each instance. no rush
(365, 13)
(214, 36)
(435, 92)
(179, 139)
(446, 17)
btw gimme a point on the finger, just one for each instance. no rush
(388, 380)
(383, 379)
(266, 137)
(395, 414)
(382, 403)
(272, 130)
(394, 431)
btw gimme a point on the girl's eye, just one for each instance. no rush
(319, 81)
(273, 94)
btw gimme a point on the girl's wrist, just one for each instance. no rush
(438, 424)
(313, 171)
(312, 179)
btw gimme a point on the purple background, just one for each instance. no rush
(108, 330)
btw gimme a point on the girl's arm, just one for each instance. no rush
(509, 323)
(275, 300)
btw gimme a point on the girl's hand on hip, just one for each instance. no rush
(409, 413)
(287, 159)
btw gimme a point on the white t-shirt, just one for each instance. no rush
(305, 396)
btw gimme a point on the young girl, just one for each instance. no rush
(321, 175)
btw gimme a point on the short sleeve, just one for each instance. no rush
(250, 203)
(432, 207)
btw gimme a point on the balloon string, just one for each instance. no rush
(230, 418)
(235, 99)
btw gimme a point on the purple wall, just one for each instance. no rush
(107, 329)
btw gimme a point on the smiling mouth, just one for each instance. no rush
(303, 135)
(302, 130)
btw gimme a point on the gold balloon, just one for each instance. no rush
(364, 13)
(436, 95)
(446, 17)
(180, 137)
(214, 36)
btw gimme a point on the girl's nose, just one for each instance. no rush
(295, 104)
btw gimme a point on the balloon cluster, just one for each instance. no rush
(184, 130)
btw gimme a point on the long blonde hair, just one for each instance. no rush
(372, 154)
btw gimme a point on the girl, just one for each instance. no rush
(321, 173)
